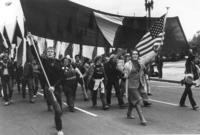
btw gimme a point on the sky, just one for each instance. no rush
(187, 11)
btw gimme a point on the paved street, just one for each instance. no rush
(164, 117)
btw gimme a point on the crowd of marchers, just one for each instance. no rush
(123, 74)
(100, 76)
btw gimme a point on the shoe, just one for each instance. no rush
(147, 104)
(35, 96)
(105, 107)
(86, 99)
(6, 103)
(60, 132)
(149, 94)
(130, 117)
(195, 108)
(143, 123)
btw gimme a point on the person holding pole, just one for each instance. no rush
(53, 73)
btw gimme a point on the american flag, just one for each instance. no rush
(153, 36)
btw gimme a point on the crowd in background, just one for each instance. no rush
(103, 76)
(30, 78)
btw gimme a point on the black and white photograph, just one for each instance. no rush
(99, 67)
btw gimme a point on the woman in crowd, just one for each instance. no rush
(133, 73)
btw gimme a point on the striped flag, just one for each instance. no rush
(152, 38)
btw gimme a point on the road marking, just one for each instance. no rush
(162, 86)
(77, 108)
(173, 86)
(167, 103)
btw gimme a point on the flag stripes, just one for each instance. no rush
(154, 35)
(149, 42)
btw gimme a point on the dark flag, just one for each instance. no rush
(94, 54)
(5, 34)
(29, 55)
(69, 50)
(25, 28)
(17, 35)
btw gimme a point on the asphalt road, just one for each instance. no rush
(164, 117)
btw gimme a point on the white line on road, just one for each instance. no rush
(89, 113)
(77, 108)
(167, 103)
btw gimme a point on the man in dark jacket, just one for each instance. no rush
(27, 79)
(113, 74)
(190, 69)
(6, 73)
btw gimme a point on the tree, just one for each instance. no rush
(195, 42)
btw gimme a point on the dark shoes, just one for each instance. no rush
(143, 123)
(105, 107)
(149, 94)
(86, 99)
(130, 116)
(195, 108)
(71, 109)
(147, 104)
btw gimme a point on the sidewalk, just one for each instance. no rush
(172, 72)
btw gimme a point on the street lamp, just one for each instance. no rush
(148, 8)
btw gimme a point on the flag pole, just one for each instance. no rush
(42, 68)
(165, 18)
(164, 24)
